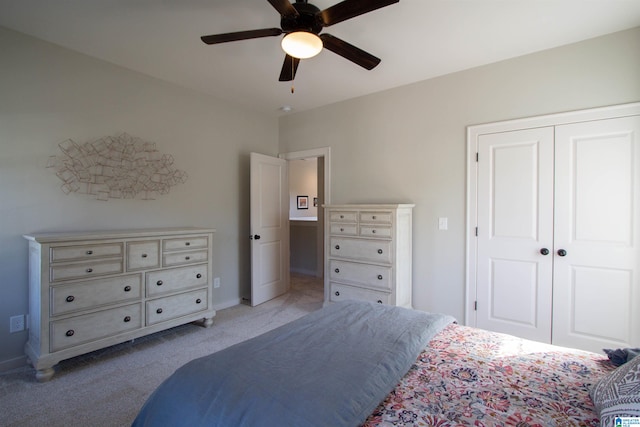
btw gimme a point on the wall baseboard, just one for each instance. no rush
(8, 365)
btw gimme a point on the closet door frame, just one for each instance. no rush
(473, 134)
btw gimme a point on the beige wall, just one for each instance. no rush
(50, 94)
(408, 144)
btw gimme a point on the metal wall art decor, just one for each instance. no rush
(115, 167)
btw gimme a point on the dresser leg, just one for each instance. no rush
(208, 322)
(44, 375)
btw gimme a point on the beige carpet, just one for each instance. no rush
(108, 387)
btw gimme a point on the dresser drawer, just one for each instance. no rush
(80, 270)
(142, 255)
(84, 252)
(376, 217)
(382, 231)
(90, 327)
(181, 258)
(343, 216)
(80, 296)
(176, 279)
(373, 276)
(344, 229)
(162, 309)
(340, 292)
(360, 249)
(182, 243)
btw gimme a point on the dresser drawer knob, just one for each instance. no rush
(373, 217)
(341, 216)
(89, 252)
(187, 243)
(379, 301)
(159, 283)
(187, 258)
(70, 298)
(144, 255)
(127, 288)
(336, 293)
(127, 319)
(337, 270)
(198, 276)
(373, 231)
(89, 270)
(70, 333)
(159, 311)
(380, 251)
(341, 229)
(379, 276)
(198, 301)
(337, 247)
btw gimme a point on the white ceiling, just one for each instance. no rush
(416, 39)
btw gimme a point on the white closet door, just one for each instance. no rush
(596, 296)
(515, 225)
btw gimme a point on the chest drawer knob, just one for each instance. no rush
(127, 288)
(337, 270)
(187, 258)
(159, 283)
(127, 319)
(70, 298)
(198, 276)
(70, 333)
(89, 270)
(336, 293)
(144, 255)
(198, 301)
(380, 251)
(373, 231)
(337, 247)
(187, 243)
(373, 217)
(379, 276)
(89, 252)
(159, 311)
(341, 216)
(379, 301)
(341, 229)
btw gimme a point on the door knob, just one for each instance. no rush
(256, 237)
(562, 252)
(544, 251)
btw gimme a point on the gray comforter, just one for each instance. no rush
(329, 368)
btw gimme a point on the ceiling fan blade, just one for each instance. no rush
(241, 35)
(348, 9)
(349, 51)
(289, 68)
(284, 7)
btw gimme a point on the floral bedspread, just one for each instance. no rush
(470, 377)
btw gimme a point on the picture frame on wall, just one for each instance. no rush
(303, 202)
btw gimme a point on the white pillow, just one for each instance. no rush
(618, 393)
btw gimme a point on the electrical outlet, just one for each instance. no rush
(16, 324)
(216, 282)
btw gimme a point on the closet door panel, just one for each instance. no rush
(597, 225)
(515, 222)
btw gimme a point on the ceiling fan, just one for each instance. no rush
(302, 22)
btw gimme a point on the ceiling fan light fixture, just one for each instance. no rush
(302, 44)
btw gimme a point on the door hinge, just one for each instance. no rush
(477, 157)
(476, 231)
(475, 305)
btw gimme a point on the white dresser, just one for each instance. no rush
(368, 253)
(91, 290)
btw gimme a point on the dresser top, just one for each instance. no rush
(371, 206)
(69, 236)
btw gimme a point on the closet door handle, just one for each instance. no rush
(544, 251)
(562, 252)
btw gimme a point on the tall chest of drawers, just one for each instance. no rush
(91, 290)
(368, 253)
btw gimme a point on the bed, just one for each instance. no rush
(354, 363)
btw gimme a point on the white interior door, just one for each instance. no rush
(596, 279)
(515, 233)
(269, 228)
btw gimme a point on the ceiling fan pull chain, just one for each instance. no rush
(293, 75)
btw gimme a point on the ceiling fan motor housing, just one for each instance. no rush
(309, 19)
